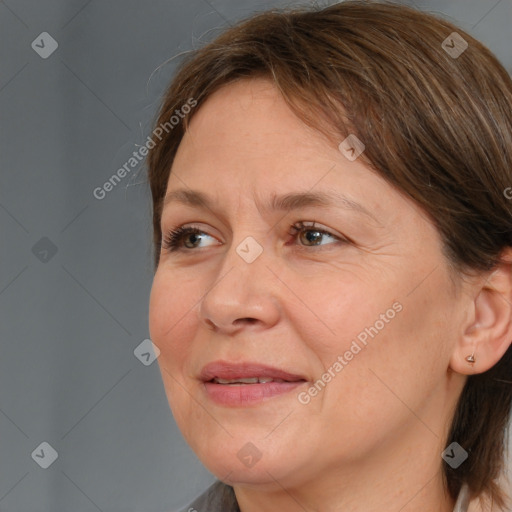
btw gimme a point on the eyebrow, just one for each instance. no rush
(285, 202)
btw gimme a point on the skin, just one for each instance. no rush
(372, 439)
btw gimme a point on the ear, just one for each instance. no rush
(487, 333)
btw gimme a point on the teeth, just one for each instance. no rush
(249, 380)
(252, 380)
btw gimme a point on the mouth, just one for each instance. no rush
(248, 380)
(243, 384)
(223, 372)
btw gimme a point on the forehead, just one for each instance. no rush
(251, 116)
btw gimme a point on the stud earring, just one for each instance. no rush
(471, 358)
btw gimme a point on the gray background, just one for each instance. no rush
(76, 271)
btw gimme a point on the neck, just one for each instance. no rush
(431, 497)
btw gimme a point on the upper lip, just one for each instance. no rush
(230, 371)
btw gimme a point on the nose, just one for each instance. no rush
(241, 295)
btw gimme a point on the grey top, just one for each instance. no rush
(220, 497)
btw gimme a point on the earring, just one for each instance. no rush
(471, 358)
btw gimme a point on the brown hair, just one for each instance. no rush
(436, 125)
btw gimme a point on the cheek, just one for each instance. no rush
(340, 311)
(172, 327)
(402, 366)
(395, 349)
(171, 311)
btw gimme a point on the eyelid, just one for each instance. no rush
(312, 224)
(304, 224)
(203, 227)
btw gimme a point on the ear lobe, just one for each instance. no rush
(488, 332)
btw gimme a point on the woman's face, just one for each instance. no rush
(361, 304)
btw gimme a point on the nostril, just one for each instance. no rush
(245, 320)
(210, 324)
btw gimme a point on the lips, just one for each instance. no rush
(239, 385)
(226, 373)
(248, 380)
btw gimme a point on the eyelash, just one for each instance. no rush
(172, 241)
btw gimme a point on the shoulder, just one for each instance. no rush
(219, 497)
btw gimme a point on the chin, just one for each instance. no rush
(235, 460)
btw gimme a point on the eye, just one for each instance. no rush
(175, 239)
(313, 235)
(188, 238)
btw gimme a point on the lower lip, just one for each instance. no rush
(240, 395)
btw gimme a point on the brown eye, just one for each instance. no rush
(311, 235)
(179, 238)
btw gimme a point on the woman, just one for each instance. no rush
(333, 289)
